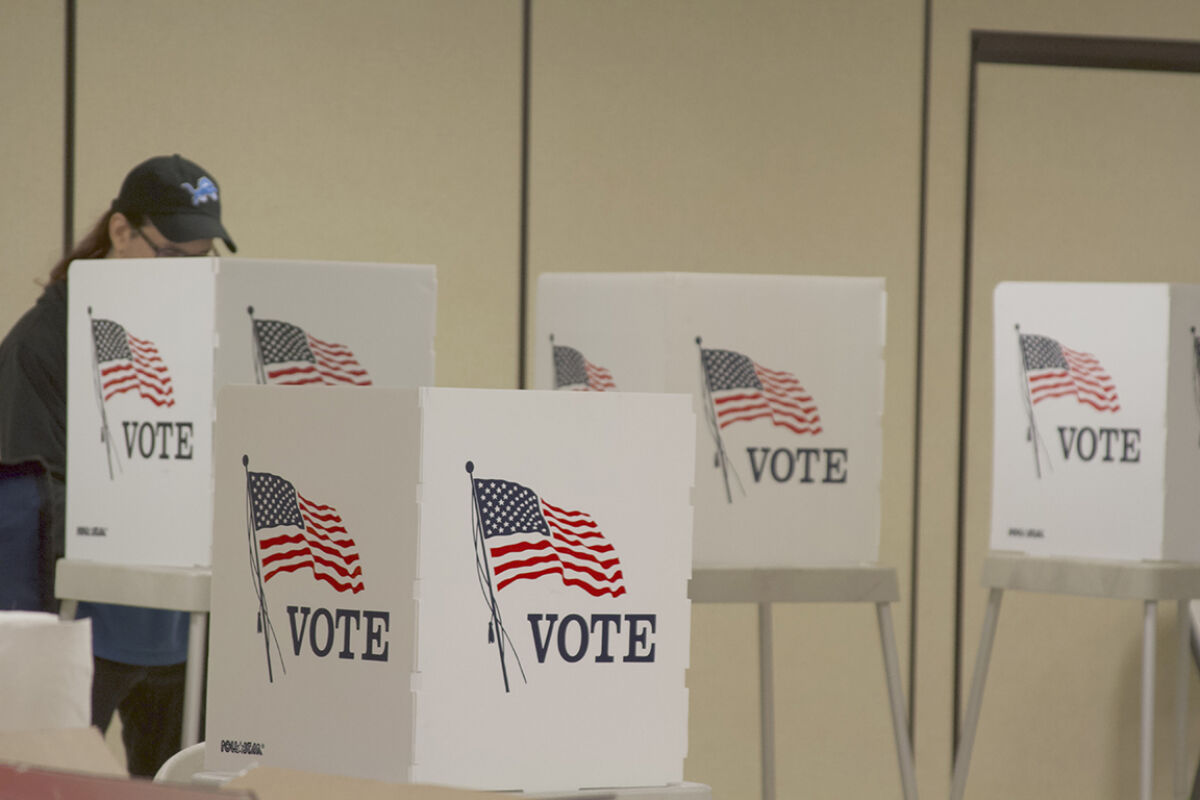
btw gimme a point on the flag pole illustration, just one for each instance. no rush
(496, 630)
(1032, 434)
(739, 389)
(1196, 368)
(264, 617)
(520, 536)
(571, 368)
(719, 457)
(305, 536)
(260, 373)
(105, 434)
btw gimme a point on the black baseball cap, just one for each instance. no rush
(178, 196)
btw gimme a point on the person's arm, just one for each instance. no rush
(33, 429)
(33, 408)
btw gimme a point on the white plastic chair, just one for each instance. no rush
(180, 767)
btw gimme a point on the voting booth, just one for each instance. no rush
(787, 376)
(151, 340)
(1096, 458)
(1097, 420)
(482, 588)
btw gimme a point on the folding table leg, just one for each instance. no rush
(891, 667)
(767, 694)
(193, 681)
(1183, 627)
(67, 609)
(962, 762)
(1149, 622)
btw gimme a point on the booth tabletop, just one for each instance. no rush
(675, 791)
(269, 783)
(1146, 580)
(173, 588)
(866, 583)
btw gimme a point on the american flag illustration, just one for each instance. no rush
(528, 538)
(572, 370)
(320, 544)
(127, 363)
(1055, 370)
(291, 355)
(742, 390)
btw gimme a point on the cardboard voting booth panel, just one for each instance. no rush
(79, 749)
(47, 667)
(151, 340)
(1097, 420)
(485, 589)
(787, 376)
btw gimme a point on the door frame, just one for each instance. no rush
(1046, 50)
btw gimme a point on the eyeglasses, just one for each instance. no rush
(169, 250)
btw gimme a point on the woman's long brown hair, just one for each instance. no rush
(96, 244)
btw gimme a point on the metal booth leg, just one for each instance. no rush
(962, 762)
(767, 693)
(891, 667)
(67, 609)
(193, 681)
(1149, 621)
(1183, 627)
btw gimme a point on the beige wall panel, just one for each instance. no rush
(368, 130)
(31, 161)
(724, 720)
(951, 24)
(937, 561)
(1081, 175)
(758, 137)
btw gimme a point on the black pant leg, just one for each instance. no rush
(152, 719)
(111, 683)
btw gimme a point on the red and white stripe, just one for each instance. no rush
(599, 379)
(325, 547)
(576, 550)
(782, 399)
(335, 366)
(1085, 379)
(147, 373)
(336, 363)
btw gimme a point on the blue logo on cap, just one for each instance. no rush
(202, 192)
